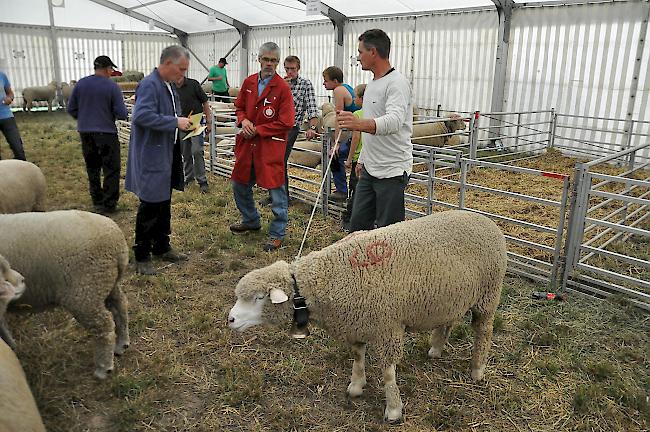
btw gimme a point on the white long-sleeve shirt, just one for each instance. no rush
(389, 151)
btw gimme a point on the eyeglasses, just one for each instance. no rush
(269, 60)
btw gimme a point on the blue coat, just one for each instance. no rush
(154, 165)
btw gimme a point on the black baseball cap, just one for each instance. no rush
(223, 60)
(102, 62)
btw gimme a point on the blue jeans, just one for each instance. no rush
(338, 175)
(243, 194)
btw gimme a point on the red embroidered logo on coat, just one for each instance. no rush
(376, 253)
(268, 112)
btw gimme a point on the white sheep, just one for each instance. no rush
(12, 286)
(66, 90)
(371, 287)
(22, 187)
(75, 260)
(43, 93)
(18, 410)
(306, 153)
(436, 133)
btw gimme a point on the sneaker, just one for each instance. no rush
(266, 202)
(272, 245)
(172, 256)
(242, 228)
(145, 268)
(338, 196)
(204, 188)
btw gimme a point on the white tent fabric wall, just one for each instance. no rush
(78, 49)
(641, 108)
(400, 31)
(572, 58)
(454, 60)
(202, 45)
(448, 58)
(314, 45)
(27, 55)
(224, 40)
(142, 52)
(259, 35)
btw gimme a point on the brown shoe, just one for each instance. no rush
(338, 196)
(272, 245)
(242, 228)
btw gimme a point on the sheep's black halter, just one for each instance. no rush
(300, 310)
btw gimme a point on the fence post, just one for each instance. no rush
(213, 147)
(463, 180)
(517, 131)
(560, 232)
(473, 135)
(577, 212)
(432, 175)
(326, 137)
(551, 129)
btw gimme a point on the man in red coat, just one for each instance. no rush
(265, 114)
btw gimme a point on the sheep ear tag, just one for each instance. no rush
(278, 296)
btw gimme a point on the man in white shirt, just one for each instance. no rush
(386, 159)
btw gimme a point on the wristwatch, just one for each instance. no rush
(312, 127)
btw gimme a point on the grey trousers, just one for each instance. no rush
(193, 163)
(378, 201)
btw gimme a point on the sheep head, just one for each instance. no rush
(12, 283)
(262, 297)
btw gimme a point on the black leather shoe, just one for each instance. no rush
(242, 228)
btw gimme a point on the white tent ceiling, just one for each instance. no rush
(87, 14)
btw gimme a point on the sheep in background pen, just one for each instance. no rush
(75, 260)
(66, 90)
(44, 93)
(369, 289)
(426, 130)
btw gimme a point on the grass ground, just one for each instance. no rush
(554, 366)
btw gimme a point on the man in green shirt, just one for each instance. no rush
(219, 80)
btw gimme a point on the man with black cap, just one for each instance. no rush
(96, 102)
(219, 79)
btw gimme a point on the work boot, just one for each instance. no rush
(338, 196)
(145, 268)
(272, 245)
(203, 187)
(239, 228)
(172, 256)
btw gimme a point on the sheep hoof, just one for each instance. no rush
(435, 353)
(102, 374)
(120, 348)
(478, 373)
(356, 389)
(393, 415)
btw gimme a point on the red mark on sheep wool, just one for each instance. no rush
(376, 253)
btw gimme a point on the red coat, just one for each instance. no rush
(273, 115)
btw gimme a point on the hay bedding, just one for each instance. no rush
(576, 365)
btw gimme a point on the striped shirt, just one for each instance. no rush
(304, 99)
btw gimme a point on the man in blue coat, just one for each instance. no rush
(154, 164)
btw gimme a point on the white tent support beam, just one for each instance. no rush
(200, 7)
(634, 86)
(55, 53)
(139, 16)
(339, 20)
(145, 4)
(243, 53)
(504, 11)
